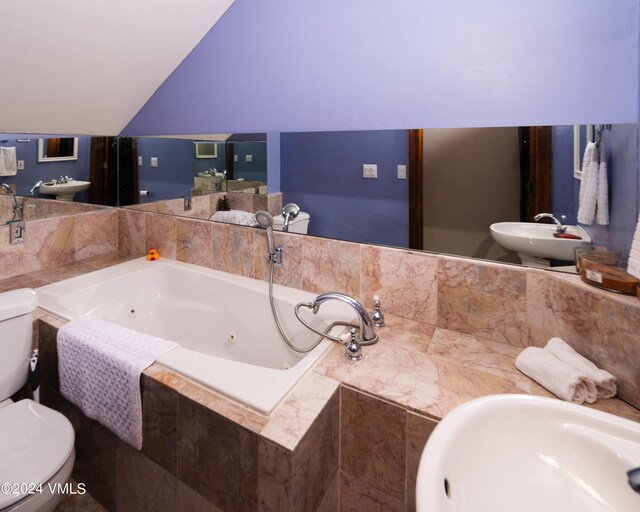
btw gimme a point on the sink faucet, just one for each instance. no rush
(367, 331)
(16, 208)
(36, 187)
(561, 228)
(62, 179)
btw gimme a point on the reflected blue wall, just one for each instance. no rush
(322, 173)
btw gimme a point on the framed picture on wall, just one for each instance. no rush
(206, 149)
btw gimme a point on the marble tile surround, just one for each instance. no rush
(55, 241)
(503, 303)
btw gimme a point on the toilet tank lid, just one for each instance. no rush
(279, 219)
(17, 302)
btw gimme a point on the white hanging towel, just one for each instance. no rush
(100, 364)
(588, 185)
(634, 256)
(8, 162)
(602, 208)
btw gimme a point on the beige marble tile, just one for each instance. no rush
(20, 281)
(274, 478)
(160, 233)
(159, 423)
(194, 242)
(217, 458)
(290, 273)
(189, 500)
(483, 299)
(274, 203)
(331, 500)
(233, 249)
(315, 460)
(602, 328)
(358, 496)
(406, 282)
(96, 234)
(96, 458)
(141, 484)
(205, 397)
(331, 265)
(373, 442)
(131, 235)
(48, 243)
(201, 207)
(419, 429)
(240, 201)
(292, 419)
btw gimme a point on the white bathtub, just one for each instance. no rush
(223, 323)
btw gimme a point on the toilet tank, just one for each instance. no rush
(16, 330)
(298, 225)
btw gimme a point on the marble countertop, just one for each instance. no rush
(417, 366)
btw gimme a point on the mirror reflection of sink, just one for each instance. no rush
(507, 453)
(64, 191)
(537, 240)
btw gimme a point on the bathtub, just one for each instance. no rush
(223, 323)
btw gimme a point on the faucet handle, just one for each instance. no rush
(352, 349)
(377, 317)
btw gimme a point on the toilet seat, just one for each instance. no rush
(35, 443)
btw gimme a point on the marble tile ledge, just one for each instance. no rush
(431, 370)
(425, 369)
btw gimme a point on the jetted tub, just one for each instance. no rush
(223, 323)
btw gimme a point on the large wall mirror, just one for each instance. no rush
(470, 178)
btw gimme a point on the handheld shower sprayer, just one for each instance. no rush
(265, 220)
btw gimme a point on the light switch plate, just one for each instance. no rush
(154, 161)
(369, 171)
(402, 172)
(139, 160)
(21, 165)
(235, 158)
(248, 158)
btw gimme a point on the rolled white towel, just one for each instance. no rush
(604, 381)
(239, 217)
(556, 376)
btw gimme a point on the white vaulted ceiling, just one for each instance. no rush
(83, 67)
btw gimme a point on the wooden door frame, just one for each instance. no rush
(538, 160)
(416, 184)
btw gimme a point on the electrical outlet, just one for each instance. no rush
(21, 165)
(402, 172)
(235, 158)
(369, 171)
(154, 161)
(139, 160)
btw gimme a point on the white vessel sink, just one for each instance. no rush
(537, 239)
(65, 191)
(508, 453)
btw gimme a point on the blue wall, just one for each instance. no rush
(257, 168)
(45, 171)
(322, 173)
(174, 175)
(304, 65)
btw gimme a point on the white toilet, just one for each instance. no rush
(299, 224)
(36, 442)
